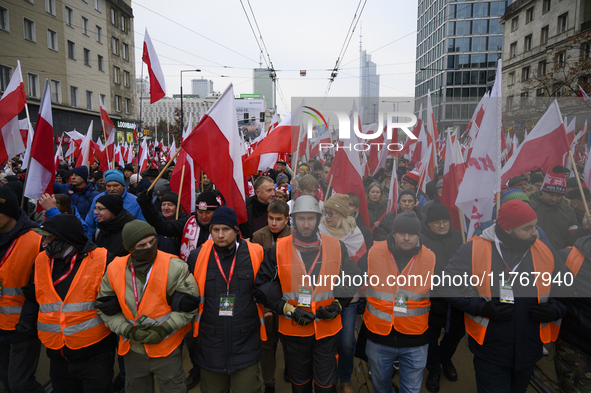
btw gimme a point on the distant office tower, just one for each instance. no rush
(201, 87)
(369, 87)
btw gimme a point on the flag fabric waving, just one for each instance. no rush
(453, 173)
(11, 104)
(157, 87)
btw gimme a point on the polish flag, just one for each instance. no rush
(543, 146)
(23, 126)
(393, 195)
(86, 155)
(453, 173)
(11, 104)
(107, 151)
(223, 164)
(187, 178)
(59, 155)
(143, 157)
(108, 125)
(425, 168)
(277, 141)
(118, 156)
(41, 175)
(27, 135)
(583, 95)
(587, 170)
(157, 87)
(432, 134)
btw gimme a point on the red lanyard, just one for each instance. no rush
(313, 264)
(8, 253)
(62, 278)
(217, 259)
(396, 266)
(134, 284)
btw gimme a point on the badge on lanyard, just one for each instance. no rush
(226, 305)
(305, 297)
(506, 292)
(400, 303)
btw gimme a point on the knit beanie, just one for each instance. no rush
(515, 213)
(338, 202)
(81, 171)
(135, 178)
(206, 201)
(512, 194)
(9, 203)
(576, 194)
(439, 184)
(134, 231)
(170, 196)
(281, 178)
(224, 215)
(437, 211)
(114, 175)
(407, 192)
(283, 190)
(572, 182)
(304, 167)
(412, 177)
(407, 222)
(536, 178)
(161, 186)
(554, 182)
(113, 203)
(317, 166)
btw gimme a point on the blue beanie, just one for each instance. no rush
(224, 215)
(81, 171)
(114, 175)
(513, 194)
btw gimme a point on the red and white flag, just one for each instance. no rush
(542, 147)
(393, 194)
(86, 156)
(108, 125)
(583, 95)
(223, 164)
(41, 175)
(59, 155)
(11, 104)
(432, 134)
(157, 87)
(186, 177)
(425, 169)
(108, 154)
(143, 156)
(453, 173)
(587, 170)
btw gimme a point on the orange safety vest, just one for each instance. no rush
(256, 257)
(74, 321)
(292, 274)
(380, 316)
(575, 260)
(153, 304)
(14, 275)
(543, 261)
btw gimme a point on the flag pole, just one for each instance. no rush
(105, 138)
(498, 202)
(164, 169)
(29, 160)
(178, 205)
(572, 160)
(202, 181)
(462, 226)
(328, 188)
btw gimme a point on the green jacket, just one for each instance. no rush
(179, 280)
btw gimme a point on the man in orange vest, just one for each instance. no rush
(229, 325)
(398, 301)
(511, 315)
(19, 345)
(66, 282)
(150, 331)
(293, 283)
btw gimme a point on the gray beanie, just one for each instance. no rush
(407, 222)
(281, 178)
(161, 186)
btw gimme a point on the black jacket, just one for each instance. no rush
(108, 234)
(365, 231)
(576, 325)
(172, 245)
(248, 228)
(228, 344)
(375, 211)
(385, 228)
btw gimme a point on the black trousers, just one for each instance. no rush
(311, 364)
(441, 352)
(492, 378)
(18, 364)
(90, 375)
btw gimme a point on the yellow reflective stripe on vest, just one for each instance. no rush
(377, 313)
(49, 327)
(12, 291)
(386, 296)
(75, 307)
(50, 307)
(10, 310)
(544, 298)
(413, 312)
(80, 327)
(482, 321)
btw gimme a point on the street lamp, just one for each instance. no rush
(182, 115)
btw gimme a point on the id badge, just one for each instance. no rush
(141, 319)
(506, 293)
(400, 303)
(226, 305)
(305, 297)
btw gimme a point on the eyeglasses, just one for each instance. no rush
(329, 213)
(441, 223)
(99, 209)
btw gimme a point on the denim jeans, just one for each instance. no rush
(381, 361)
(347, 342)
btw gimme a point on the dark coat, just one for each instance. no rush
(376, 211)
(247, 228)
(82, 199)
(264, 237)
(172, 245)
(108, 234)
(385, 228)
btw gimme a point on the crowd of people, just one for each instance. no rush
(97, 277)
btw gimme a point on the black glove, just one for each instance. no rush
(109, 305)
(469, 291)
(184, 302)
(544, 312)
(497, 311)
(25, 329)
(303, 317)
(329, 312)
(144, 197)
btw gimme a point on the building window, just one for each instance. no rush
(71, 50)
(125, 51)
(97, 5)
(99, 34)
(128, 105)
(524, 74)
(563, 23)
(560, 59)
(33, 82)
(118, 103)
(545, 6)
(69, 17)
(51, 39)
(87, 57)
(126, 78)
(5, 73)
(89, 100)
(84, 26)
(540, 92)
(115, 46)
(544, 35)
(123, 23)
(101, 63)
(511, 78)
(4, 25)
(116, 75)
(529, 15)
(29, 28)
(103, 99)
(113, 16)
(527, 43)
(514, 23)
(542, 68)
(74, 96)
(510, 102)
(513, 49)
(56, 91)
(50, 6)
(586, 51)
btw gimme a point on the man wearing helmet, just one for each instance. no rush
(292, 282)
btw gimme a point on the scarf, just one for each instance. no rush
(259, 208)
(345, 226)
(306, 245)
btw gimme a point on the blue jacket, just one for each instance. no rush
(54, 212)
(82, 199)
(129, 203)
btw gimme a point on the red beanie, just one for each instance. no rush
(515, 213)
(412, 177)
(555, 182)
